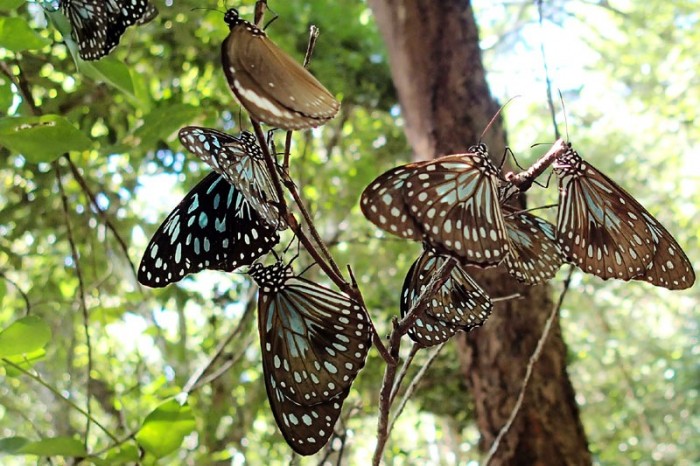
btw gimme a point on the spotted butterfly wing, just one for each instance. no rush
(268, 83)
(606, 232)
(383, 204)
(314, 342)
(460, 304)
(99, 24)
(240, 160)
(305, 428)
(534, 255)
(455, 201)
(213, 227)
(670, 267)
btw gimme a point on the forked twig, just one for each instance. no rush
(528, 371)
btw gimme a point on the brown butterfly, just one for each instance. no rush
(268, 83)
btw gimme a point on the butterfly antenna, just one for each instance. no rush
(493, 119)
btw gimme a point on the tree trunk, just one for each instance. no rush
(437, 70)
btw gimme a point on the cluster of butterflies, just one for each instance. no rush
(315, 340)
(456, 206)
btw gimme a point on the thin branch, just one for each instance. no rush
(102, 213)
(404, 370)
(58, 394)
(528, 372)
(195, 379)
(400, 329)
(81, 294)
(524, 179)
(414, 385)
(19, 290)
(547, 78)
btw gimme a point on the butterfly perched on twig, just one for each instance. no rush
(314, 342)
(268, 83)
(99, 24)
(459, 304)
(213, 227)
(606, 232)
(451, 203)
(240, 160)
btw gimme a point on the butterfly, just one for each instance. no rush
(606, 232)
(213, 227)
(268, 83)
(99, 24)
(534, 256)
(314, 342)
(459, 304)
(239, 159)
(451, 203)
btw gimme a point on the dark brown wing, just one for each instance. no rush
(273, 87)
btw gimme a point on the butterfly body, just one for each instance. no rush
(460, 304)
(213, 227)
(268, 83)
(99, 24)
(314, 342)
(605, 231)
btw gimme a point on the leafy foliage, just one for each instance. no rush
(631, 103)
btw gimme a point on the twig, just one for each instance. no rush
(528, 372)
(404, 370)
(400, 329)
(20, 291)
(194, 381)
(414, 385)
(81, 293)
(102, 213)
(58, 394)
(524, 179)
(376, 338)
(547, 78)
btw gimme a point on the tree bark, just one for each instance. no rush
(437, 69)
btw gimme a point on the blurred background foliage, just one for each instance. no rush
(627, 71)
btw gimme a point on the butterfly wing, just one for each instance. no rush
(534, 255)
(459, 304)
(273, 87)
(670, 267)
(315, 340)
(600, 227)
(89, 20)
(99, 24)
(305, 428)
(213, 227)
(455, 201)
(239, 159)
(383, 204)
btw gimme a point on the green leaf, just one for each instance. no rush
(16, 35)
(164, 121)
(110, 71)
(9, 5)
(6, 95)
(57, 446)
(41, 139)
(164, 428)
(25, 361)
(12, 444)
(24, 336)
(127, 454)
